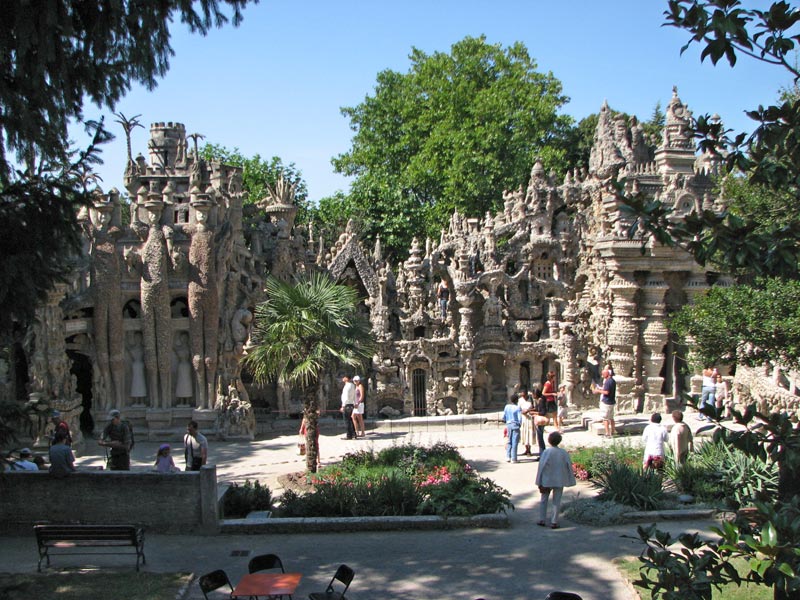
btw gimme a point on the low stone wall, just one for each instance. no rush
(183, 502)
(759, 386)
(351, 524)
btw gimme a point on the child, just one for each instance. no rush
(561, 400)
(164, 462)
(555, 473)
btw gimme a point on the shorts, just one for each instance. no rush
(562, 412)
(607, 410)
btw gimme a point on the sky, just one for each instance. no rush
(274, 86)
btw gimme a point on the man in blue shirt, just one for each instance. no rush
(512, 415)
(608, 399)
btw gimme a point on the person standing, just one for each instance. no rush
(561, 401)
(549, 393)
(539, 418)
(348, 404)
(608, 400)
(60, 425)
(117, 437)
(358, 407)
(654, 437)
(722, 397)
(62, 460)
(195, 447)
(554, 474)
(680, 439)
(708, 391)
(164, 462)
(443, 295)
(526, 431)
(513, 419)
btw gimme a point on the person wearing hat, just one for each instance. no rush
(117, 437)
(24, 463)
(358, 407)
(164, 462)
(60, 425)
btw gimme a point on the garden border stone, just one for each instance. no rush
(683, 514)
(351, 524)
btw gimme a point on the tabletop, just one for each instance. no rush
(267, 584)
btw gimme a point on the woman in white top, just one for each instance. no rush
(358, 408)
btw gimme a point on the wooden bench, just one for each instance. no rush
(74, 539)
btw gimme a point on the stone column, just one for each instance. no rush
(655, 336)
(622, 336)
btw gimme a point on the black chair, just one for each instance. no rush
(344, 574)
(262, 562)
(213, 581)
(562, 596)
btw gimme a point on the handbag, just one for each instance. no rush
(301, 448)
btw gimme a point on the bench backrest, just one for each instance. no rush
(76, 533)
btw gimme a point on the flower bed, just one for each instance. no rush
(398, 481)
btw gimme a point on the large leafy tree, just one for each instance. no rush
(301, 331)
(451, 133)
(54, 57)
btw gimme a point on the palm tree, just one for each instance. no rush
(300, 331)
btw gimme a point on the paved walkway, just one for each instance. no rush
(520, 563)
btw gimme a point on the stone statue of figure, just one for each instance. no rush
(153, 263)
(106, 298)
(135, 348)
(240, 329)
(183, 376)
(203, 299)
(492, 314)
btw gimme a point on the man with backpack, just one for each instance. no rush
(118, 437)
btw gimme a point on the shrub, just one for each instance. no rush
(401, 480)
(240, 500)
(591, 460)
(627, 485)
(718, 472)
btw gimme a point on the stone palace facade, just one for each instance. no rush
(159, 313)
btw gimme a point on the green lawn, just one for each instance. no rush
(97, 585)
(629, 567)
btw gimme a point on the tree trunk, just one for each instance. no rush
(311, 414)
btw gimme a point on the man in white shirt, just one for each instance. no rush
(654, 436)
(348, 403)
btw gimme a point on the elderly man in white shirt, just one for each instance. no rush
(348, 403)
(654, 436)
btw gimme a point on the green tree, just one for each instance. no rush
(301, 331)
(452, 133)
(259, 174)
(54, 57)
(762, 315)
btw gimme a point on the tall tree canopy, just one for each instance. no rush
(451, 133)
(54, 56)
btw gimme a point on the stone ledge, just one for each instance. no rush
(351, 524)
(683, 514)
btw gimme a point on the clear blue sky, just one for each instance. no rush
(274, 85)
